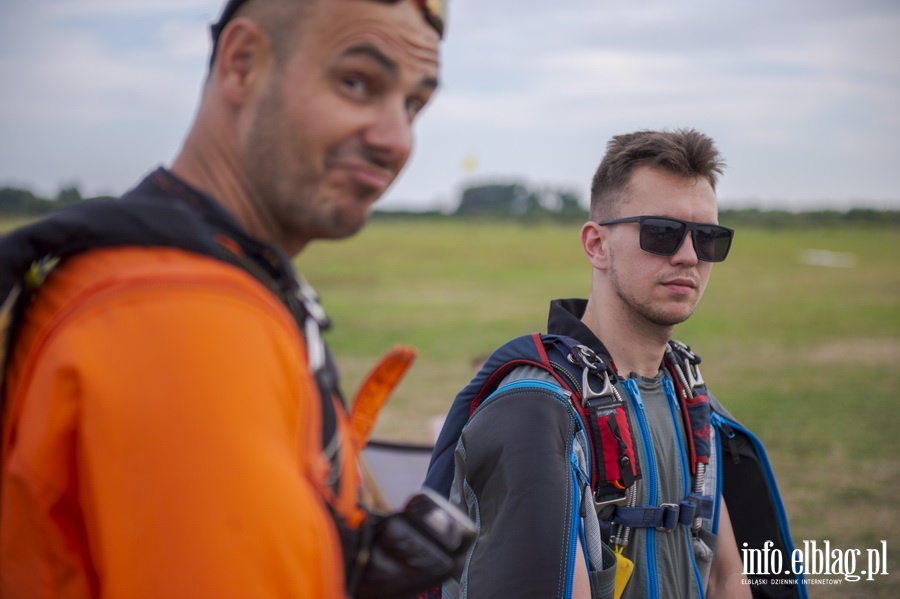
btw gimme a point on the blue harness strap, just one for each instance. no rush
(564, 359)
(667, 515)
(577, 369)
(590, 379)
(520, 351)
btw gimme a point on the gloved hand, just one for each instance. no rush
(408, 552)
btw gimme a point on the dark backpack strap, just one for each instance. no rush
(162, 211)
(100, 224)
(615, 467)
(693, 398)
(755, 507)
(576, 368)
(526, 350)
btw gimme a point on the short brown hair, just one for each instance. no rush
(684, 152)
(280, 20)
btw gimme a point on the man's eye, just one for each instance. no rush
(414, 106)
(354, 84)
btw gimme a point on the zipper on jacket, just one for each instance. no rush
(581, 483)
(562, 371)
(717, 509)
(682, 461)
(652, 482)
(584, 483)
(574, 525)
(729, 434)
(674, 409)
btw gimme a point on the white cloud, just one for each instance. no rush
(60, 70)
(533, 89)
(85, 83)
(105, 8)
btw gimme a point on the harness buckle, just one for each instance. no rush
(691, 363)
(588, 393)
(591, 363)
(695, 379)
(671, 515)
(607, 504)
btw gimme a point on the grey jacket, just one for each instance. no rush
(521, 474)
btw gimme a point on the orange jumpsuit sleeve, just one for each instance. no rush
(195, 433)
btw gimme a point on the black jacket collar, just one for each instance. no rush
(565, 319)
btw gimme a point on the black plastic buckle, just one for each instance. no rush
(605, 507)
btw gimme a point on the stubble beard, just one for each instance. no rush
(282, 181)
(643, 314)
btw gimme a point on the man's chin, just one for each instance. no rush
(348, 222)
(672, 316)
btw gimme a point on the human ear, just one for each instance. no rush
(594, 245)
(243, 55)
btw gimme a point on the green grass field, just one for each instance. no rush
(807, 356)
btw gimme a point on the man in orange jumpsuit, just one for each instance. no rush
(164, 431)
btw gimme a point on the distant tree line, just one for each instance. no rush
(754, 217)
(22, 202)
(516, 202)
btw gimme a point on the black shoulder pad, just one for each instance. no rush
(136, 221)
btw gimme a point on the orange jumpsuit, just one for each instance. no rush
(162, 439)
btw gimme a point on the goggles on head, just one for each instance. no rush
(434, 11)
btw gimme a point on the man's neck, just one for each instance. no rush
(208, 164)
(634, 346)
(203, 170)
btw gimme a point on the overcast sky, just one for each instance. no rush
(802, 96)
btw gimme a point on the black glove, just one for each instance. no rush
(411, 551)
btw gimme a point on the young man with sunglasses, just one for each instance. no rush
(512, 445)
(651, 242)
(172, 422)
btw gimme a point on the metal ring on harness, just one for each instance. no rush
(588, 393)
(695, 379)
(585, 357)
(591, 363)
(691, 363)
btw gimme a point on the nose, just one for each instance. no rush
(390, 135)
(686, 253)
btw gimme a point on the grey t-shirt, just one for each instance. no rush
(671, 550)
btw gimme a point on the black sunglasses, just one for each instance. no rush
(663, 235)
(435, 12)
